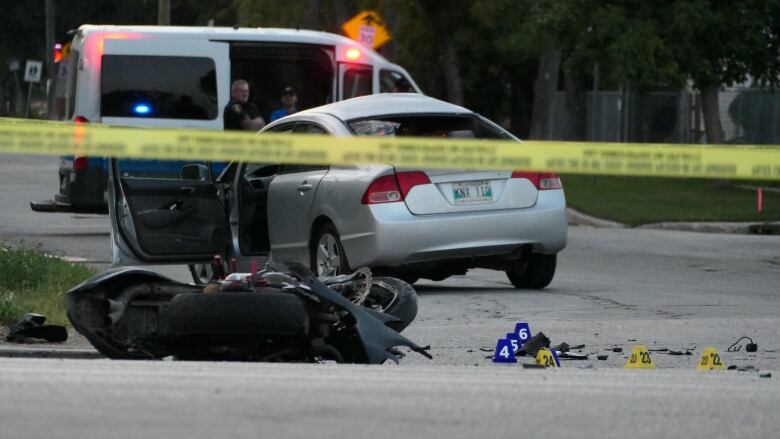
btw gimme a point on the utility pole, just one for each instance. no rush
(51, 66)
(164, 12)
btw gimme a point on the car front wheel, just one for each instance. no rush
(537, 274)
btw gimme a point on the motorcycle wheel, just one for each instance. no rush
(395, 297)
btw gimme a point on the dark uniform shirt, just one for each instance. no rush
(235, 112)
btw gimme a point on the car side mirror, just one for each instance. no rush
(195, 171)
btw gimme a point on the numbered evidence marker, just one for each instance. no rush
(523, 332)
(514, 339)
(710, 360)
(640, 358)
(504, 352)
(547, 358)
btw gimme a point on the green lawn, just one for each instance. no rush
(32, 282)
(642, 200)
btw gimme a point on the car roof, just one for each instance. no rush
(303, 36)
(386, 104)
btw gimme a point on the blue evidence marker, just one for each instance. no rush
(504, 352)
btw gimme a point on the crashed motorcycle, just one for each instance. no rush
(279, 313)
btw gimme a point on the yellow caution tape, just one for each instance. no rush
(669, 160)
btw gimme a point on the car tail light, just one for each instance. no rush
(541, 180)
(80, 163)
(408, 180)
(393, 188)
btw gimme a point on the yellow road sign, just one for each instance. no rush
(368, 29)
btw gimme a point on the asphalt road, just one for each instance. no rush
(614, 288)
(105, 399)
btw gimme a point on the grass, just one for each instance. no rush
(641, 200)
(33, 282)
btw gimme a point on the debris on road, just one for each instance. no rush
(32, 326)
(749, 347)
(617, 350)
(602, 357)
(765, 375)
(532, 346)
(572, 356)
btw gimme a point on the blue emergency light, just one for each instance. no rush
(142, 109)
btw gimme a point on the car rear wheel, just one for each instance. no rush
(537, 274)
(327, 253)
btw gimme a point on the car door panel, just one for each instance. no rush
(168, 219)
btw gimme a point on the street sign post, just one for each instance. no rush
(368, 29)
(32, 73)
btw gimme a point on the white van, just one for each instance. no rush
(167, 76)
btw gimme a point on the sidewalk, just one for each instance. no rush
(577, 218)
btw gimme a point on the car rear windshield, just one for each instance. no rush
(167, 87)
(447, 126)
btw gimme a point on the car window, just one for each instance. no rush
(309, 128)
(167, 87)
(168, 169)
(357, 82)
(446, 126)
(391, 81)
(283, 128)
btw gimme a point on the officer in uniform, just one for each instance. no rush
(240, 114)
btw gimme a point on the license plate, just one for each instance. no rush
(472, 192)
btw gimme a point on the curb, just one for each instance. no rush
(71, 354)
(577, 218)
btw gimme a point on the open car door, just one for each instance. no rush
(164, 212)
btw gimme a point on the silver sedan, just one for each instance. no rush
(413, 222)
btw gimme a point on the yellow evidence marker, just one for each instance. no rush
(640, 358)
(546, 358)
(710, 360)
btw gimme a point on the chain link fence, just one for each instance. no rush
(748, 116)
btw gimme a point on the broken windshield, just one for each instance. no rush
(445, 126)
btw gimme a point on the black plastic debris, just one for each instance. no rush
(659, 350)
(32, 326)
(533, 366)
(602, 357)
(579, 346)
(563, 347)
(765, 375)
(746, 368)
(532, 346)
(617, 350)
(572, 356)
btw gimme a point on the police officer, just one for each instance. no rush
(240, 114)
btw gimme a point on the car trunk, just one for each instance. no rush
(452, 191)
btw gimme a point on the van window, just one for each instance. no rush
(166, 87)
(394, 82)
(271, 67)
(357, 82)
